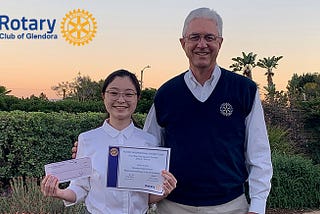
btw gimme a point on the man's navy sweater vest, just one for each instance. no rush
(207, 139)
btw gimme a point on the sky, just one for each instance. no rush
(132, 34)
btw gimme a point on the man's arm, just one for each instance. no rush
(258, 158)
(151, 125)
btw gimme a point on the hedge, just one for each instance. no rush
(28, 141)
(295, 182)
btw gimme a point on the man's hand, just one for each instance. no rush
(74, 149)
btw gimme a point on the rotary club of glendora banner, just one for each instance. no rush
(78, 27)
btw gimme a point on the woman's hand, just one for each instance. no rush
(169, 184)
(50, 186)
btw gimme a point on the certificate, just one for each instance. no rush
(137, 168)
(70, 169)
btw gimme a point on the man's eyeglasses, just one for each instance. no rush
(195, 37)
(115, 95)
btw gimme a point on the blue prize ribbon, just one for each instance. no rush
(112, 172)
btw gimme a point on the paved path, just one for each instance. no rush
(314, 212)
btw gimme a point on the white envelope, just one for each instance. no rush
(70, 169)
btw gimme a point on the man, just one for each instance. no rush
(212, 120)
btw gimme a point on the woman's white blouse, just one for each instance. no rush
(98, 198)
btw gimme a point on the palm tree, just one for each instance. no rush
(4, 91)
(245, 63)
(269, 63)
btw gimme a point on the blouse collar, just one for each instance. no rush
(126, 132)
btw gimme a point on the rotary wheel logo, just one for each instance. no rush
(114, 152)
(78, 27)
(226, 109)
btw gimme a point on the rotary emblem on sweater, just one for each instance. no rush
(226, 109)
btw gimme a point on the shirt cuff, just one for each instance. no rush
(78, 192)
(68, 203)
(257, 206)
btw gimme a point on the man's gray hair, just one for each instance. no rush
(203, 13)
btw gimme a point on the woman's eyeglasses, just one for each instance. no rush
(115, 95)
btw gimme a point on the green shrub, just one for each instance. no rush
(312, 125)
(146, 100)
(314, 149)
(279, 140)
(311, 109)
(28, 141)
(295, 183)
(139, 119)
(26, 197)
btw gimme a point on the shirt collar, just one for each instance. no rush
(194, 83)
(126, 132)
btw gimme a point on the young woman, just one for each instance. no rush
(120, 93)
